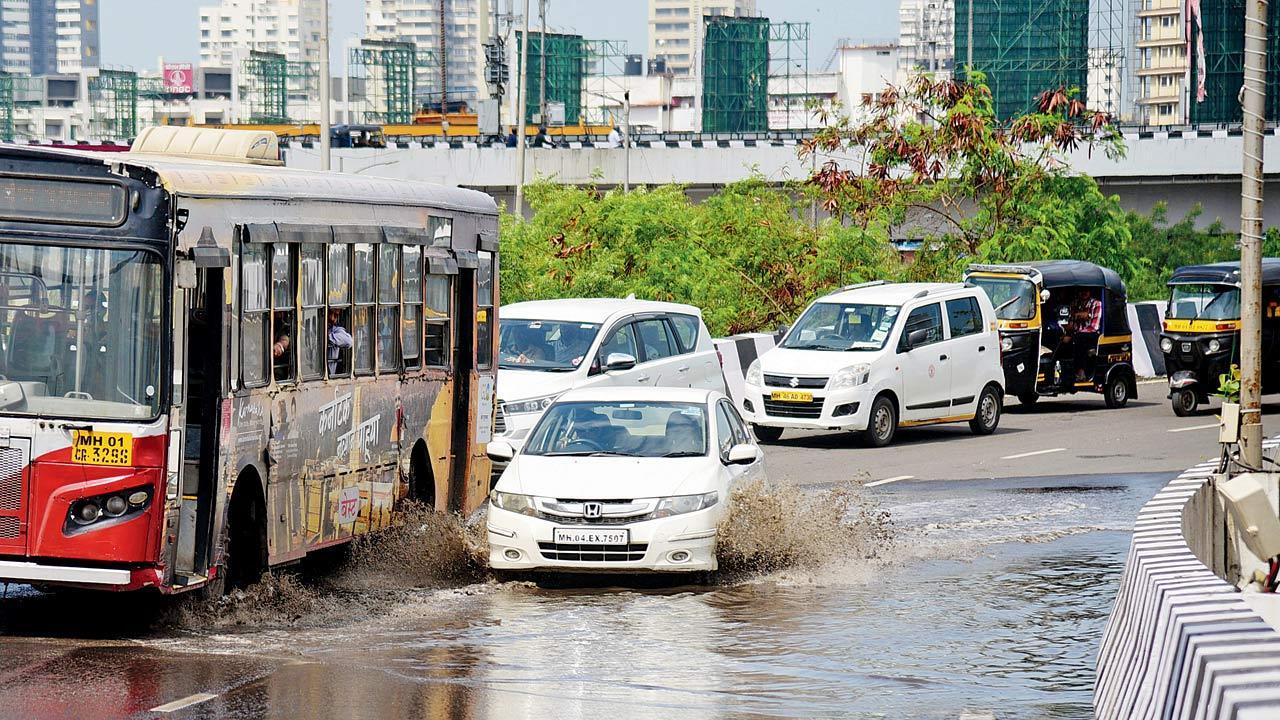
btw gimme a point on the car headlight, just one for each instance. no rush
(681, 504)
(535, 405)
(1214, 346)
(1006, 344)
(1166, 345)
(852, 376)
(755, 376)
(511, 502)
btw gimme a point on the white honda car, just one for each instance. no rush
(618, 479)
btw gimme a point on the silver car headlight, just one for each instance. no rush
(511, 502)
(534, 405)
(852, 376)
(755, 376)
(1006, 344)
(1166, 345)
(681, 504)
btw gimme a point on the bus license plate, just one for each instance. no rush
(591, 536)
(791, 396)
(101, 448)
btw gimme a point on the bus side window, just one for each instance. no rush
(411, 324)
(338, 340)
(436, 331)
(388, 308)
(254, 328)
(363, 323)
(311, 284)
(484, 315)
(284, 335)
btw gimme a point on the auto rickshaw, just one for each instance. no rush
(1041, 308)
(1201, 337)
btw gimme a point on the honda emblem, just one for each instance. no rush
(591, 510)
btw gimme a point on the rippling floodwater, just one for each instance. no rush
(993, 601)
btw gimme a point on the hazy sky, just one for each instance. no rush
(135, 33)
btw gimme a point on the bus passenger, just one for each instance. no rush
(339, 340)
(281, 357)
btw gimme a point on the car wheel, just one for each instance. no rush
(882, 424)
(765, 433)
(987, 418)
(1185, 403)
(1117, 392)
(1028, 398)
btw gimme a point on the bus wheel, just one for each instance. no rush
(246, 535)
(422, 483)
(1117, 391)
(1028, 398)
(1185, 403)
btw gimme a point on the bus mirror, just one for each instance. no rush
(184, 274)
(207, 254)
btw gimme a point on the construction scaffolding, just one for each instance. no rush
(265, 89)
(789, 76)
(566, 58)
(113, 105)
(735, 72)
(1024, 47)
(606, 61)
(391, 80)
(6, 107)
(1216, 78)
(1108, 60)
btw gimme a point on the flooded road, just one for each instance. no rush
(990, 597)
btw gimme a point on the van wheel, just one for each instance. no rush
(1028, 398)
(767, 434)
(987, 419)
(882, 425)
(1117, 392)
(1185, 403)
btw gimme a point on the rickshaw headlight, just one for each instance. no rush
(1166, 345)
(1214, 346)
(1006, 344)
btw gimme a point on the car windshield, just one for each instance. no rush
(627, 429)
(1013, 298)
(1204, 302)
(547, 345)
(842, 326)
(80, 332)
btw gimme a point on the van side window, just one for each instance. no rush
(965, 316)
(927, 318)
(655, 339)
(621, 340)
(686, 331)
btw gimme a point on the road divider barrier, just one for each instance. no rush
(737, 352)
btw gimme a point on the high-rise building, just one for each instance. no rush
(458, 49)
(1160, 67)
(926, 37)
(676, 30)
(47, 37)
(288, 27)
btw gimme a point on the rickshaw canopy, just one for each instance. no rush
(1224, 273)
(1058, 274)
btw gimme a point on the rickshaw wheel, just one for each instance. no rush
(1185, 403)
(1028, 398)
(1117, 392)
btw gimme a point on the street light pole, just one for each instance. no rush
(542, 63)
(626, 141)
(1253, 100)
(968, 50)
(325, 149)
(522, 78)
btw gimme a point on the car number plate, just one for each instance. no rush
(1186, 347)
(591, 536)
(791, 396)
(101, 448)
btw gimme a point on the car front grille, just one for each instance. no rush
(784, 381)
(810, 410)
(593, 553)
(568, 520)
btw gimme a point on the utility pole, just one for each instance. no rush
(626, 141)
(521, 121)
(1253, 100)
(325, 82)
(542, 58)
(968, 50)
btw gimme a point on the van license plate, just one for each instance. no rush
(101, 448)
(591, 536)
(791, 396)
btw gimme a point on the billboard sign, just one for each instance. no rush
(179, 78)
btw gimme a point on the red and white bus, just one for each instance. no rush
(211, 365)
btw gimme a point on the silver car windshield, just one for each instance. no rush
(628, 429)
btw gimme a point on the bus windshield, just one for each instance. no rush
(80, 332)
(1013, 298)
(1204, 302)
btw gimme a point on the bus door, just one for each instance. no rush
(204, 356)
(464, 354)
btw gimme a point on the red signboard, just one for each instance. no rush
(179, 78)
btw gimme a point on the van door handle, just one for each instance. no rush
(642, 378)
(683, 368)
(982, 348)
(942, 357)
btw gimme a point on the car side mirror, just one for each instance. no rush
(781, 331)
(916, 338)
(614, 362)
(743, 454)
(500, 450)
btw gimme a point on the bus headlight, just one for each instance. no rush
(86, 512)
(1214, 346)
(1166, 345)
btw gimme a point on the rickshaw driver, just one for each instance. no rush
(1083, 329)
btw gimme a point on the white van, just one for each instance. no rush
(546, 347)
(879, 356)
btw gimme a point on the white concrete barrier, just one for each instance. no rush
(736, 354)
(1145, 324)
(1181, 642)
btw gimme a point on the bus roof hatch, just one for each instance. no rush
(255, 147)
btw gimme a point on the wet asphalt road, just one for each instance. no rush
(990, 601)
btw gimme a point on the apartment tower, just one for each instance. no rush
(288, 27)
(675, 30)
(47, 37)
